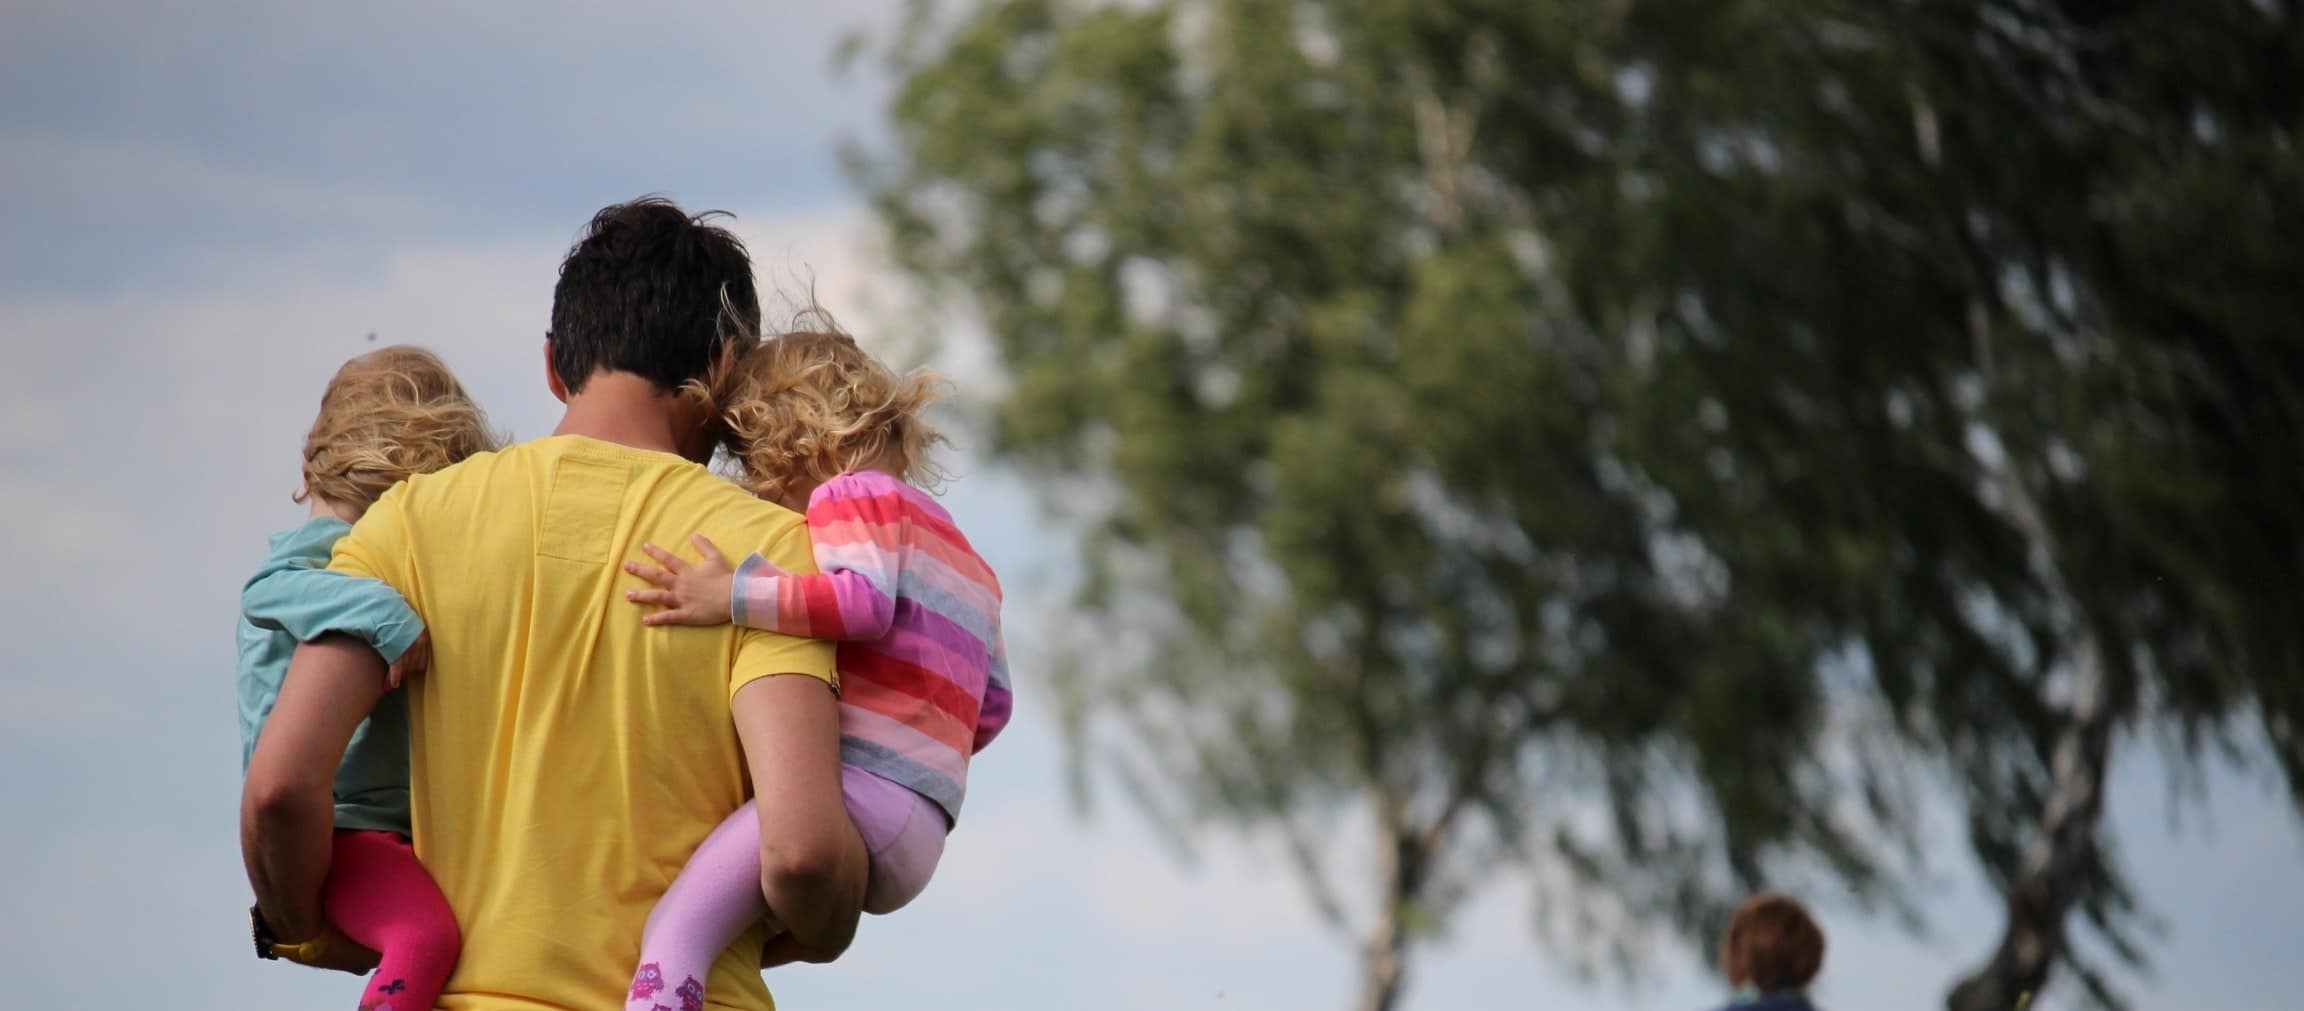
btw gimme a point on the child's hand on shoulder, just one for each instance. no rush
(691, 593)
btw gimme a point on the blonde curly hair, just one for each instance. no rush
(804, 407)
(388, 414)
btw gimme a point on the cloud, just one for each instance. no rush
(151, 439)
(155, 435)
(149, 136)
(149, 442)
(208, 208)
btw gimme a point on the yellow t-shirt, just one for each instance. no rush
(565, 760)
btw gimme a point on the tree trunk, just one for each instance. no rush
(2062, 855)
(2056, 865)
(1384, 952)
(1383, 963)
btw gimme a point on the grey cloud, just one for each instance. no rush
(205, 208)
(143, 137)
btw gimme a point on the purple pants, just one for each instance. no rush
(903, 831)
(718, 894)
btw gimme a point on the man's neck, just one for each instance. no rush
(628, 410)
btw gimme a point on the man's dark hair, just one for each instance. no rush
(651, 290)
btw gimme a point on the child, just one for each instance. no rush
(819, 426)
(1772, 952)
(386, 415)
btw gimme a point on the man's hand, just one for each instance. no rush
(692, 593)
(415, 660)
(347, 955)
(331, 950)
(784, 949)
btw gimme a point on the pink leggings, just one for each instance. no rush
(718, 894)
(379, 895)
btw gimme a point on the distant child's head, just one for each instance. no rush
(1772, 945)
(805, 407)
(386, 415)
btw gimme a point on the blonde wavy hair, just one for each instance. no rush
(388, 414)
(804, 407)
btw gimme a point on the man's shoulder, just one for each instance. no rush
(538, 464)
(473, 471)
(673, 484)
(708, 500)
(496, 483)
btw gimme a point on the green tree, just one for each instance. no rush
(1977, 233)
(1547, 432)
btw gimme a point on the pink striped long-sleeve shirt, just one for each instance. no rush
(923, 677)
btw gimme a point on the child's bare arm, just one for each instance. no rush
(690, 593)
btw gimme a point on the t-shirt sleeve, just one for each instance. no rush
(308, 602)
(860, 527)
(760, 653)
(377, 546)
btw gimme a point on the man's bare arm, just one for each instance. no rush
(812, 863)
(287, 806)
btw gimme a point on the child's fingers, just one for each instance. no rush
(675, 616)
(416, 659)
(667, 559)
(661, 598)
(710, 552)
(649, 573)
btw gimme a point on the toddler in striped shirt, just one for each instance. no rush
(819, 426)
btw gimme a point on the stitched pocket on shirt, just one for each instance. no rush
(580, 517)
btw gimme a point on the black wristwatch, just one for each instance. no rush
(261, 933)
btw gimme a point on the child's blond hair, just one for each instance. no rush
(807, 406)
(388, 414)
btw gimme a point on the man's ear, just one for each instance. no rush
(552, 375)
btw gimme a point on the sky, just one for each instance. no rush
(204, 209)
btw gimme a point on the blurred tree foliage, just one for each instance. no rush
(1604, 443)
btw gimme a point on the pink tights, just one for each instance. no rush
(718, 894)
(379, 895)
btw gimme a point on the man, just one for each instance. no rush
(565, 760)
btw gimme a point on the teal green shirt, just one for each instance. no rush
(293, 598)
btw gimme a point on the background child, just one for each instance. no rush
(819, 426)
(1772, 952)
(385, 415)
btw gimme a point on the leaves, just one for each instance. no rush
(1624, 436)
